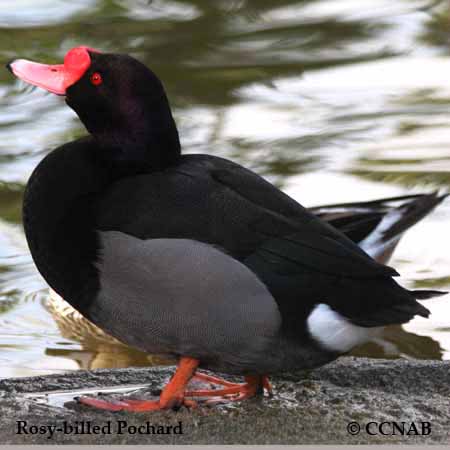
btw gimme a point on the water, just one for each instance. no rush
(336, 100)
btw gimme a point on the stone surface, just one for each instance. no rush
(307, 408)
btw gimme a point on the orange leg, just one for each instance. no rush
(172, 396)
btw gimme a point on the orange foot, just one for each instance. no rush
(221, 382)
(231, 392)
(133, 405)
(174, 394)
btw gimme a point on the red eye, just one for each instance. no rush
(96, 79)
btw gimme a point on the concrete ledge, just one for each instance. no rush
(308, 408)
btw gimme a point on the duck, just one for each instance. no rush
(192, 256)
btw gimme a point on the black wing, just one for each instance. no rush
(298, 235)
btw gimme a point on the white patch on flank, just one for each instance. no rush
(334, 331)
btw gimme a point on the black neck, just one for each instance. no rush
(137, 150)
(140, 136)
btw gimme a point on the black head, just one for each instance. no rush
(121, 102)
